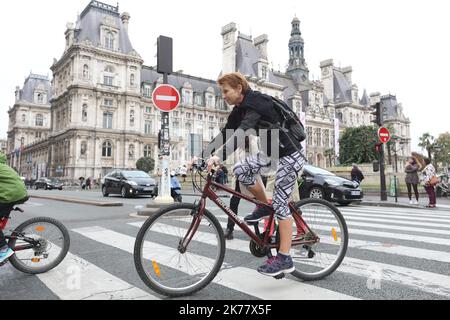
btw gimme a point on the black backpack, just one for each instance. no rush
(289, 122)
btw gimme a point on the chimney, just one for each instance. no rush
(229, 48)
(347, 71)
(125, 20)
(261, 44)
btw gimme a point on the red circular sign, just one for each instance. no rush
(384, 135)
(166, 98)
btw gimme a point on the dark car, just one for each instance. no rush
(48, 184)
(128, 183)
(322, 184)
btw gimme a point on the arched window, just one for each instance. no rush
(147, 151)
(22, 141)
(85, 71)
(40, 98)
(109, 40)
(24, 118)
(107, 149)
(39, 120)
(132, 78)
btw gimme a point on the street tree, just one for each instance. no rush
(357, 145)
(426, 142)
(442, 149)
(145, 164)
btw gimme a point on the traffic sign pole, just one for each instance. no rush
(384, 136)
(165, 101)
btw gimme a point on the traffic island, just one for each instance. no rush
(80, 201)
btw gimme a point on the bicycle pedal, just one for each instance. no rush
(280, 276)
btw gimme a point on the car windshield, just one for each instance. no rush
(135, 174)
(315, 170)
(55, 181)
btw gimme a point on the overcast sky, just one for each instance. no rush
(397, 47)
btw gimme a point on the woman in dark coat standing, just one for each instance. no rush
(412, 179)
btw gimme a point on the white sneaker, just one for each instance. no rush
(416, 202)
(410, 202)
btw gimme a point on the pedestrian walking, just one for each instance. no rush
(88, 184)
(412, 179)
(429, 180)
(356, 174)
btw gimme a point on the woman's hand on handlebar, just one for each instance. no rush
(213, 161)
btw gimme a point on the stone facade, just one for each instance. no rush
(99, 113)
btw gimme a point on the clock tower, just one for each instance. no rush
(297, 66)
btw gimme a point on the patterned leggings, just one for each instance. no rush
(285, 180)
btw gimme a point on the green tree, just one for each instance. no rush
(357, 145)
(426, 142)
(145, 164)
(442, 149)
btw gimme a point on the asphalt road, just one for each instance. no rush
(394, 253)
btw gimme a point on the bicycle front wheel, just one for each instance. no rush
(316, 261)
(51, 244)
(166, 268)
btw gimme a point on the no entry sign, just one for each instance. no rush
(166, 98)
(384, 135)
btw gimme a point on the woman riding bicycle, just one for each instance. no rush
(12, 191)
(254, 110)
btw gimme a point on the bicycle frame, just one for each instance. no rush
(32, 243)
(208, 193)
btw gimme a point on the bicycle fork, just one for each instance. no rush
(197, 214)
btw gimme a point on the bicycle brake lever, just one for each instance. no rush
(18, 209)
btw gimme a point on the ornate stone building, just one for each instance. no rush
(99, 114)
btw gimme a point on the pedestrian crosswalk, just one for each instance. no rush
(392, 253)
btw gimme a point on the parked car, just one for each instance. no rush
(322, 184)
(48, 184)
(128, 183)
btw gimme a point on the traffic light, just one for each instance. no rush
(377, 115)
(378, 147)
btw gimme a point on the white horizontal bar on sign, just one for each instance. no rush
(166, 98)
(241, 279)
(78, 279)
(422, 280)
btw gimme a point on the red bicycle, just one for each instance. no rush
(40, 243)
(180, 249)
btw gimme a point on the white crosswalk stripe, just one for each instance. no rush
(380, 241)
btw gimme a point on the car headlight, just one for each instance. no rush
(132, 183)
(332, 182)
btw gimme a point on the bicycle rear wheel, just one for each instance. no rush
(53, 242)
(319, 260)
(163, 266)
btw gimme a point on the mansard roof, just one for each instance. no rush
(93, 16)
(31, 84)
(150, 75)
(390, 108)
(342, 88)
(247, 55)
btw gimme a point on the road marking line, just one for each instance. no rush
(78, 279)
(422, 280)
(242, 279)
